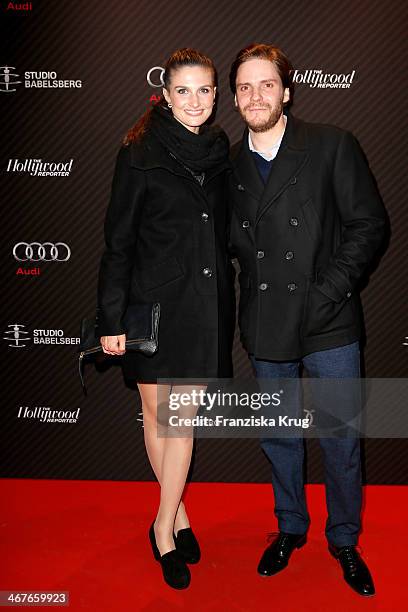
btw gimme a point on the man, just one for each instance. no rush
(306, 222)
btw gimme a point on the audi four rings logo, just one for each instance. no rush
(45, 251)
(155, 76)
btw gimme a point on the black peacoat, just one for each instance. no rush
(166, 241)
(303, 241)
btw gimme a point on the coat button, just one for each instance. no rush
(263, 286)
(240, 187)
(292, 286)
(260, 254)
(245, 224)
(294, 221)
(293, 181)
(348, 294)
(204, 217)
(207, 272)
(289, 255)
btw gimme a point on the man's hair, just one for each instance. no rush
(270, 53)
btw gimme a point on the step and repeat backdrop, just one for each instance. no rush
(74, 77)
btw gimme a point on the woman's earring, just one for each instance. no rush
(169, 104)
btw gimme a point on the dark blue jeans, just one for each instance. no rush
(341, 455)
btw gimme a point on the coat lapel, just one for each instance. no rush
(292, 156)
(245, 169)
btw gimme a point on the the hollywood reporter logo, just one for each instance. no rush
(45, 414)
(37, 167)
(323, 80)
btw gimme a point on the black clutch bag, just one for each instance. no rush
(141, 322)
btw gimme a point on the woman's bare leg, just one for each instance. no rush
(164, 453)
(154, 445)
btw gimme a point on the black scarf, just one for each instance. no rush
(199, 151)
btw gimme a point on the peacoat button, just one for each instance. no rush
(294, 221)
(260, 254)
(293, 181)
(348, 294)
(240, 187)
(204, 217)
(207, 272)
(263, 286)
(245, 224)
(292, 286)
(289, 255)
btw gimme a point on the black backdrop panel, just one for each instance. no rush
(103, 53)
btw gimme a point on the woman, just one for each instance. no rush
(166, 242)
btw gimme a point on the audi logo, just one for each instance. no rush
(155, 80)
(37, 251)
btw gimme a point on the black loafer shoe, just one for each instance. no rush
(355, 571)
(175, 571)
(277, 555)
(152, 538)
(187, 545)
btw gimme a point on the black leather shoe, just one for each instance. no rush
(175, 571)
(355, 571)
(277, 555)
(187, 545)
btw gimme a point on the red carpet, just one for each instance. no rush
(90, 538)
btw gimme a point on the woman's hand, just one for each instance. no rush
(114, 345)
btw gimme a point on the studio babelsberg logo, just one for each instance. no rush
(44, 79)
(8, 79)
(18, 336)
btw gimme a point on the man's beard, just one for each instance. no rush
(269, 123)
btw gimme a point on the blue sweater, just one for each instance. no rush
(264, 167)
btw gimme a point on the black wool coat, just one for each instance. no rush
(303, 241)
(166, 241)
